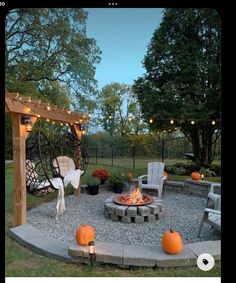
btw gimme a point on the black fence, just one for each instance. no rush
(137, 156)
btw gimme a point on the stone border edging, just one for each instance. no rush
(114, 253)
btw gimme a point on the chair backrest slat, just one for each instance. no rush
(155, 172)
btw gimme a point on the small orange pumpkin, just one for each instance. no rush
(130, 176)
(165, 174)
(196, 176)
(172, 242)
(84, 234)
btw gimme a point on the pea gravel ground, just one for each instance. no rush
(183, 213)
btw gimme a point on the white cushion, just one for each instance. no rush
(65, 163)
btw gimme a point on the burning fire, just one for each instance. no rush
(134, 198)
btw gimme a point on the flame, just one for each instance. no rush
(134, 198)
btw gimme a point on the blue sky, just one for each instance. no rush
(122, 34)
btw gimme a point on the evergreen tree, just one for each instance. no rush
(183, 78)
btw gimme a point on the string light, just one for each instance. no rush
(61, 124)
(48, 120)
(48, 107)
(130, 119)
(110, 117)
(53, 122)
(213, 122)
(192, 122)
(172, 121)
(81, 120)
(68, 111)
(151, 121)
(38, 115)
(89, 115)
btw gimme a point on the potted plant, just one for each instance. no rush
(93, 185)
(102, 174)
(117, 182)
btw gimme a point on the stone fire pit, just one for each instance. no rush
(133, 213)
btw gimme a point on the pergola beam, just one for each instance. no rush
(26, 106)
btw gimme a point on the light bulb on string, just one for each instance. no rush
(68, 111)
(151, 121)
(48, 120)
(172, 121)
(48, 107)
(192, 122)
(213, 122)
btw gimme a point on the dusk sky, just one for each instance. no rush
(122, 34)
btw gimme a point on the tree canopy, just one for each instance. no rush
(120, 110)
(183, 78)
(48, 49)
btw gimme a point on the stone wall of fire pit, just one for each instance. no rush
(135, 214)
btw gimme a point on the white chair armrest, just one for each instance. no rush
(141, 177)
(213, 185)
(209, 210)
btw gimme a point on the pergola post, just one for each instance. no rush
(19, 135)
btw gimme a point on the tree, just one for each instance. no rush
(183, 78)
(49, 56)
(120, 110)
(50, 45)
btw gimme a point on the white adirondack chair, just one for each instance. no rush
(154, 176)
(212, 216)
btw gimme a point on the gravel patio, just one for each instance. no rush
(183, 213)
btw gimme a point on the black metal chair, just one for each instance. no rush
(42, 176)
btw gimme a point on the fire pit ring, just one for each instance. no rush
(146, 198)
(133, 213)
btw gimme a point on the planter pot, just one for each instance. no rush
(93, 189)
(102, 182)
(118, 189)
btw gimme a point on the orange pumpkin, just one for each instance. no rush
(84, 235)
(196, 176)
(172, 242)
(130, 176)
(165, 174)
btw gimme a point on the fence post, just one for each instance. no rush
(112, 153)
(96, 154)
(162, 150)
(134, 151)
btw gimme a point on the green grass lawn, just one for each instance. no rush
(20, 261)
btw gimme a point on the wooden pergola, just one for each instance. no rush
(23, 107)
